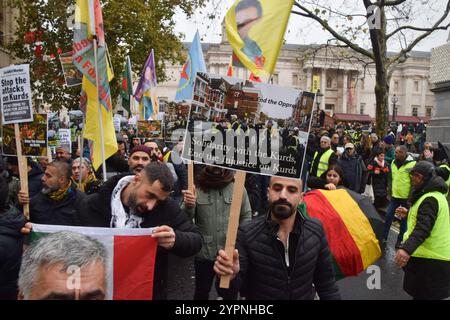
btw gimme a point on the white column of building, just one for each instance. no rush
(406, 108)
(308, 79)
(423, 100)
(344, 92)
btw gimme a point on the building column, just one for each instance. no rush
(323, 85)
(309, 79)
(344, 92)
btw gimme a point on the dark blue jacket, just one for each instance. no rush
(11, 243)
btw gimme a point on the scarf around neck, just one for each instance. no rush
(61, 193)
(119, 217)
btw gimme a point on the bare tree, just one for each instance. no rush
(369, 27)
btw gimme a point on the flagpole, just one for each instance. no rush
(130, 96)
(81, 146)
(100, 118)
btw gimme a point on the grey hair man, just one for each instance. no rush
(63, 266)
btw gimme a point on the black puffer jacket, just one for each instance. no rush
(266, 275)
(95, 211)
(34, 179)
(11, 242)
(44, 210)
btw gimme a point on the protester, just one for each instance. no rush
(425, 251)
(378, 173)
(354, 169)
(139, 158)
(142, 201)
(63, 154)
(88, 180)
(277, 249)
(46, 268)
(329, 180)
(323, 158)
(389, 149)
(11, 242)
(59, 200)
(400, 189)
(211, 211)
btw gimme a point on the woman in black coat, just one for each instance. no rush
(378, 177)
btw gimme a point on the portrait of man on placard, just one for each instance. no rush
(248, 13)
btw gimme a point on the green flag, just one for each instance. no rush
(126, 89)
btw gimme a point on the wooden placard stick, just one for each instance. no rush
(49, 154)
(23, 169)
(233, 221)
(191, 176)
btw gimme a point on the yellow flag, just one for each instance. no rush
(255, 30)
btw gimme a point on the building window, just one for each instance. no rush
(295, 80)
(415, 111)
(416, 86)
(1, 39)
(362, 106)
(396, 86)
(329, 107)
(362, 84)
(428, 111)
(329, 82)
(275, 78)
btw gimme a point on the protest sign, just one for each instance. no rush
(175, 118)
(72, 75)
(15, 94)
(33, 137)
(149, 129)
(65, 138)
(252, 127)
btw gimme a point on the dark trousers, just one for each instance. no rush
(204, 277)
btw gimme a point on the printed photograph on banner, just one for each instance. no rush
(175, 118)
(149, 129)
(249, 126)
(15, 94)
(72, 75)
(33, 137)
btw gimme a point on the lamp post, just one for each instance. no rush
(319, 97)
(394, 101)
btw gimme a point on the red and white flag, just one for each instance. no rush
(131, 258)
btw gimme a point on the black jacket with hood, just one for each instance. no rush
(11, 243)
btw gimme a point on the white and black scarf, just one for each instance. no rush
(119, 217)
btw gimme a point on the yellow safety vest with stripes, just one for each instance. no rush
(401, 183)
(323, 161)
(437, 245)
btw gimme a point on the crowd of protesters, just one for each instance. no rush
(147, 187)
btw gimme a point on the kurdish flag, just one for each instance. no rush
(352, 226)
(255, 30)
(131, 258)
(195, 63)
(145, 90)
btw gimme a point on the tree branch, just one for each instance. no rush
(325, 25)
(393, 3)
(416, 29)
(404, 52)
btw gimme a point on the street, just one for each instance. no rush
(181, 279)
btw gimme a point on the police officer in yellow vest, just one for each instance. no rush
(400, 190)
(323, 158)
(425, 251)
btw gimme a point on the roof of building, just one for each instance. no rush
(353, 117)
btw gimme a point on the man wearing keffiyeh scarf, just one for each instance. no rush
(59, 199)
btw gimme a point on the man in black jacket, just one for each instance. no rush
(11, 242)
(142, 201)
(283, 255)
(59, 200)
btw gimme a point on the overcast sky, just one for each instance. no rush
(300, 30)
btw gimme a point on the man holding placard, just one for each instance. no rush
(283, 255)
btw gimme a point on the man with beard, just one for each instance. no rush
(142, 201)
(139, 158)
(283, 255)
(59, 200)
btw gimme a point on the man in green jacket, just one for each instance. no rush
(210, 207)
